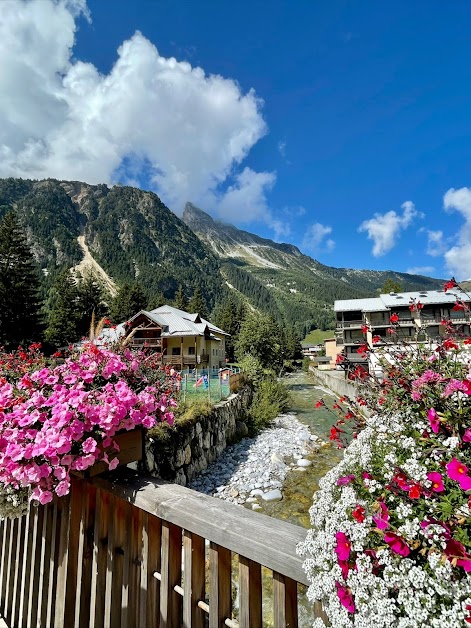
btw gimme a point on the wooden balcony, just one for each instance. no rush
(145, 342)
(136, 552)
(187, 359)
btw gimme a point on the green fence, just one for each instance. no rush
(204, 384)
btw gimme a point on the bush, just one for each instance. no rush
(270, 399)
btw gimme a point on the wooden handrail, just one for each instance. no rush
(124, 550)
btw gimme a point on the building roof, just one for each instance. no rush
(393, 300)
(174, 323)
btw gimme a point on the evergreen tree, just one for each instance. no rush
(198, 304)
(19, 287)
(261, 338)
(390, 286)
(228, 316)
(181, 302)
(91, 299)
(129, 301)
(63, 314)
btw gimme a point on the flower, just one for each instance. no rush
(456, 470)
(394, 318)
(343, 546)
(450, 284)
(346, 479)
(433, 420)
(382, 520)
(397, 544)
(358, 513)
(437, 481)
(345, 597)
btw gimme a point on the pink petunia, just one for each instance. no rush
(397, 544)
(346, 598)
(346, 479)
(433, 420)
(437, 481)
(467, 435)
(343, 546)
(382, 520)
(456, 553)
(458, 471)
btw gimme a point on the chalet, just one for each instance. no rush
(184, 340)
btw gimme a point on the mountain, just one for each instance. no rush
(280, 277)
(127, 234)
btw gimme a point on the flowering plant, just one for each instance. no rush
(62, 418)
(390, 543)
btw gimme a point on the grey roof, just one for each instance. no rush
(387, 302)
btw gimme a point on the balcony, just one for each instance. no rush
(146, 342)
(348, 324)
(185, 359)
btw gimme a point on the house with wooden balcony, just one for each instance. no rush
(182, 339)
(420, 316)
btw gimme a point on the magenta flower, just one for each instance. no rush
(437, 481)
(458, 471)
(397, 544)
(346, 479)
(343, 546)
(467, 435)
(382, 520)
(346, 598)
(457, 555)
(433, 420)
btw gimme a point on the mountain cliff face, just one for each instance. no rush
(300, 287)
(128, 234)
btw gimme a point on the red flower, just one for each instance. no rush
(419, 305)
(364, 328)
(459, 305)
(394, 318)
(340, 358)
(448, 344)
(450, 284)
(362, 349)
(376, 339)
(319, 403)
(358, 513)
(415, 491)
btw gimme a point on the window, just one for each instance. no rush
(191, 351)
(175, 350)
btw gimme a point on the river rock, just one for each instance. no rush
(272, 496)
(302, 462)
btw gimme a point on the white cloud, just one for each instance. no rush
(384, 229)
(435, 245)
(61, 118)
(458, 257)
(314, 238)
(420, 270)
(282, 148)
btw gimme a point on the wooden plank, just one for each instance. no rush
(84, 574)
(75, 513)
(285, 602)
(62, 559)
(135, 562)
(3, 558)
(43, 588)
(28, 560)
(171, 576)
(220, 602)
(11, 569)
(100, 556)
(150, 599)
(18, 569)
(239, 529)
(250, 593)
(31, 610)
(109, 565)
(121, 518)
(193, 580)
(54, 541)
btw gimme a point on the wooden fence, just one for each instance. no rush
(136, 552)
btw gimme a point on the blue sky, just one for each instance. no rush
(341, 127)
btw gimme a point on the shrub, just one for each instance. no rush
(270, 399)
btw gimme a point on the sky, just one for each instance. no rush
(342, 127)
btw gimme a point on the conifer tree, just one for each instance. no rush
(63, 314)
(19, 287)
(181, 302)
(129, 301)
(198, 304)
(91, 300)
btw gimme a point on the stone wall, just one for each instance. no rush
(192, 446)
(335, 381)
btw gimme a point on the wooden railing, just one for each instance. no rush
(187, 358)
(136, 552)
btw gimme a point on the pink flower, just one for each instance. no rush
(433, 420)
(457, 555)
(346, 479)
(346, 598)
(458, 471)
(89, 445)
(343, 546)
(113, 464)
(382, 520)
(397, 544)
(467, 435)
(437, 481)
(62, 488)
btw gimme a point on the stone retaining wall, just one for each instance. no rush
(192, 446)
(335, 381)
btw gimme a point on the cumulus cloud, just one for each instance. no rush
(458, 257)
(420, 270)
(314, 239)
(62, 118)
(384, 229)
(435, 245)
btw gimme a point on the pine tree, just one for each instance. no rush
(227, 316)
(129, 301)
(19, 287)
(91, 300)
(181, 302)
(198, 304)
(63, 314)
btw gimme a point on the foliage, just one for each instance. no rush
(390, 285)
(390, 543)
(55, 418)
(252, 369)
(192, 410)
(270, 399)
(181, 302)
(260, 337)
(19, 285)
(317, 336)
(129, 300)
(228, 315)
(62, 310)
(197, 304)
(306, 363)
(91, 300)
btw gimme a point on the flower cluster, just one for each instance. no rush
(390, 543)
(62, 418)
